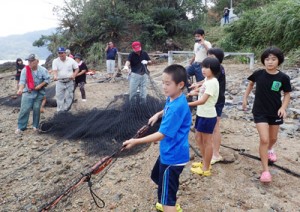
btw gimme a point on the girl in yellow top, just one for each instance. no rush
(206, 114)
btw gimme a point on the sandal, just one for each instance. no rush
(199, 171)
(265, 177)
(216, 160)
(199, 164)
(272, 157)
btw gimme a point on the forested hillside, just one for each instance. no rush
(86, 26)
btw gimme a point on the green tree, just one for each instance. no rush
(85, 24)
(274, 24)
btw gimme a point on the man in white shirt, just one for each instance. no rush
(65, 70)
(200, 53)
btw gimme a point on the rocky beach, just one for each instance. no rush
(34, 166)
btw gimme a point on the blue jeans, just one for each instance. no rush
(195, 70)
(138, 81)
(226, 19)
(30, 102)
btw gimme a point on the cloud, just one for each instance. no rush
(19, 17)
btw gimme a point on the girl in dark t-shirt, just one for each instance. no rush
(80, 79)
(268, 108)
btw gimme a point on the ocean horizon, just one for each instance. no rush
(25, 62)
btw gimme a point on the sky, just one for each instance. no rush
(22, 16)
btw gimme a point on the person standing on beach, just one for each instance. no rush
(206, 118)
(137, 60)
(219, 54)
(19, 67)
(269, 107)
(64, 70)
(33, 80)
(80, 79)
(201, 47)
(173, 135)
(111, 53)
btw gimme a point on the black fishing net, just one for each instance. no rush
(102, 131)
(15, 101)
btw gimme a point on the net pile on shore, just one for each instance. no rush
(15, 101)
(102, 131)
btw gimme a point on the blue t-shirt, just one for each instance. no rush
(111, 53)
(175, 125)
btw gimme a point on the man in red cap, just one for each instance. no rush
(137, 60)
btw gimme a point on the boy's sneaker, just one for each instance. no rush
(84, 100)
(265, 177)
(272, 156)
(199, 171)
(199, 164)
(159, 207)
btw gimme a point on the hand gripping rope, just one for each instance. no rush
(97, 168)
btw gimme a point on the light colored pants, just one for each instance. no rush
(64, 95)
(136, 82)
(29, 103)
(110, 64)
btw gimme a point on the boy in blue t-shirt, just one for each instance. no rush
(173, 136)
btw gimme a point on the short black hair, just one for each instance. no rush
(177, 72)
(18, 59)
(213, 64)
(219, 53)
(275, 51)
(199, 32)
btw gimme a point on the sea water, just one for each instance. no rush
(25, 62)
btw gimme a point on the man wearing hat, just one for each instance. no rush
(65, 70)
(137, 60)
(33, 80)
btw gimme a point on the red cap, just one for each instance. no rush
(136, 46)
